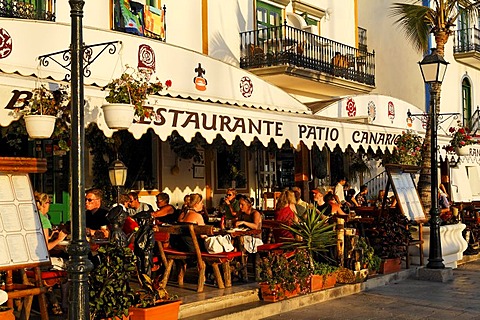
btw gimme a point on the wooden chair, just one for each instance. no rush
(416, 243)
(169, 256)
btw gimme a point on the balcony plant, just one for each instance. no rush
(460, 138)
(152, 301)
(47, 113)
(128, 94)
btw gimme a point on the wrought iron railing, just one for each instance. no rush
(474, 122)
(467, 40)
(377, 183)
(285, 45)
(28, 9)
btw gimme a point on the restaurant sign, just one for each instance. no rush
(212, 119)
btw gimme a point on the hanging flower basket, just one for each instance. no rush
(40, 126)
(469, 150)
(118, 115)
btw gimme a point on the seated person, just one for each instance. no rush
(350, 199)
(43, 202)
(186, 202)
(230, 204)
(361, 197)
(248, 216)
(166, 213)
(285, 213)
(193, 215)
(96, 215)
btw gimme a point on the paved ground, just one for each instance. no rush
(408, 299)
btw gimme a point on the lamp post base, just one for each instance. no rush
(437, 275)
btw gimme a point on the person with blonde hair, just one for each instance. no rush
(193, 215)
(285, 212)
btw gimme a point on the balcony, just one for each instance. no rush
(466, 48)
(27, 9)
(322, 68)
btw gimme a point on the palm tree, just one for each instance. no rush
(417, 22)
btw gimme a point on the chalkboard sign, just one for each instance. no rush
(406, 194)
(22, 242)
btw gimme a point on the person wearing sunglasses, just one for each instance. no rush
(96, 215)
(230, 204)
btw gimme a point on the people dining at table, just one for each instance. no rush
(96, 215)
(229, 205)
(286, 214)
(166, 213)
(350, 199)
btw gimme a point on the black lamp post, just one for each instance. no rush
(117, 172)
(78, 265)
(433, 68)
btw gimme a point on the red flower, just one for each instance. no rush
(451, 130)
(461, 130)
(168, 83)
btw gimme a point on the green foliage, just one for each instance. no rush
(460, 137)
(313, 233)
(151, 293)
(323, 269)
(370, 259)
(408, 149)
(134, 87)
(275, 269)
(110, 294)
(390, 234)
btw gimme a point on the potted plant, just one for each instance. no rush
(324, 276)
(152, 301)
(127, 96)
(389, 238)
(314, 234)
(277, 277)
(46, 111)
(460, 138)
(407, 150)
(370, 260)
(110, 293)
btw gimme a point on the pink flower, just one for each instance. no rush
(462, 143)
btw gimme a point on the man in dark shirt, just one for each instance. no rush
(96, 215)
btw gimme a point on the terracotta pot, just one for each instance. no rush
(118, 115)
(316, 283)
(39, 126)
(7, 315)
(390, 265)
(329, 281)
(277, 294)
(167, 310)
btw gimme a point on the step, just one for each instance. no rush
(248, 306)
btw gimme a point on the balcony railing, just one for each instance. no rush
(27, 9)
(285, 45)
(467, 40)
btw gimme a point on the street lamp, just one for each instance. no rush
(433, 68)
(117, 172)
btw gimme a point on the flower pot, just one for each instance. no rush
(390, 265)
(277, 294)
(7, 314)
(468, 150)
(167, 310)
(39, 126)
(118, 115)
(316, 283)
(329, 281)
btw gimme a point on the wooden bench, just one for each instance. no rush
(169, 256)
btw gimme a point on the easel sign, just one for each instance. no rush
(405, 192)
(22, 242)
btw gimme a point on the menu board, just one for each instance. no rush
(22, 241)
(407, 195)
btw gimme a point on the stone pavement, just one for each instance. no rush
(407, 299)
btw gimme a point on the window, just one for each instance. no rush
(466, 102)
(362, 39)
(267, 16)
(463, 31)
(28, 9)
(231, 168)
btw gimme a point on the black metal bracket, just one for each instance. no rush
(441, 117)
(89, 56)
